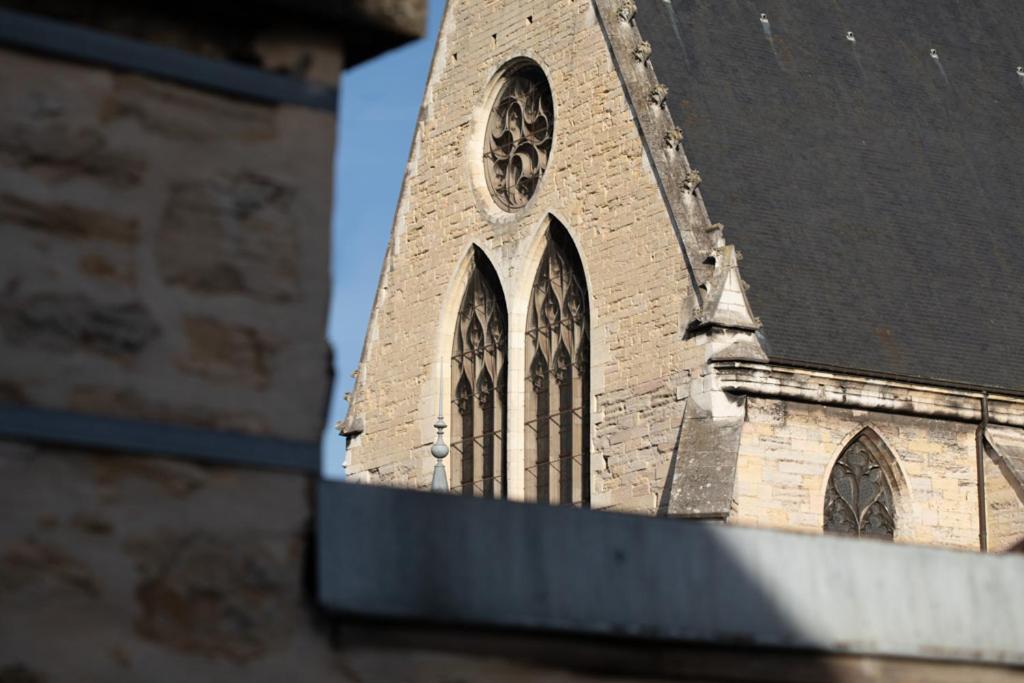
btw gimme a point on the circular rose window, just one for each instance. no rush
(518, 137)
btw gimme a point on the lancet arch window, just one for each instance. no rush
(859, 495)
(478, 389)
(558, 377)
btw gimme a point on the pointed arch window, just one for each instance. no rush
(478, 375)
(558, 377)
(859, 498)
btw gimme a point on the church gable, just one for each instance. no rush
(502, 171)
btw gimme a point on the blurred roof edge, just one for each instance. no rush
(369, 27)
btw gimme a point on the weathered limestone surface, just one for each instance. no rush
(141, 568)
(1004, 499)
(165, 250)
(788, 449)
(1004, 487)
(600, 186)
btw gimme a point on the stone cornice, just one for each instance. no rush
(865, 393)
(659, 580)
(662, 139)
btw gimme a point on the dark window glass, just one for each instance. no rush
(478, 386)
(558, 378)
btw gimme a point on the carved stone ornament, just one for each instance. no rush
(478, 370)
(715, 234)
(858, 500)
(673, 138)
(518, 138)
(658, 95)
(642, 52)
(691, 181)
(627, 10)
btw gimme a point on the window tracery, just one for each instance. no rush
(558, 378)
(859, 498)
(518, 137)
(478, 386)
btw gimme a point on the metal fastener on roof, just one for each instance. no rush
(764, 18)
(934, 53)
(850, 37)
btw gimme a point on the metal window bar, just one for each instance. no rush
(478, 385)
(558, 382)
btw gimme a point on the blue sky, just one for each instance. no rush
(380, 100)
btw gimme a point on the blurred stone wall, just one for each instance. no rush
(164, 258)
(117, 567)
(165, 250)
(510, 660)
(1004, 498)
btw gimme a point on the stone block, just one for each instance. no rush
(231, 235)
(67, 221)
(71, 322)
(227, 352)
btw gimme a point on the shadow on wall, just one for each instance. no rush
(556, 586)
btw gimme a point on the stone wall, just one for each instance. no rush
(117, 567)
(599, 184)
(1004, 499)
(588, 595)
(165, 258)
(165, 250)
(787, 451)
(509, 660)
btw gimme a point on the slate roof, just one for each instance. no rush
(876, 192)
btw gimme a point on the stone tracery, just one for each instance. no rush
(859, 499)
(558, 379)
(518, 137)
(478, 386)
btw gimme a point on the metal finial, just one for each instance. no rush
(440, 450)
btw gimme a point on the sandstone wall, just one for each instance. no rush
(787, 451)
(600, 186)
(164, 250)
(165, 258)
(1004, 499)
(141, 568)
